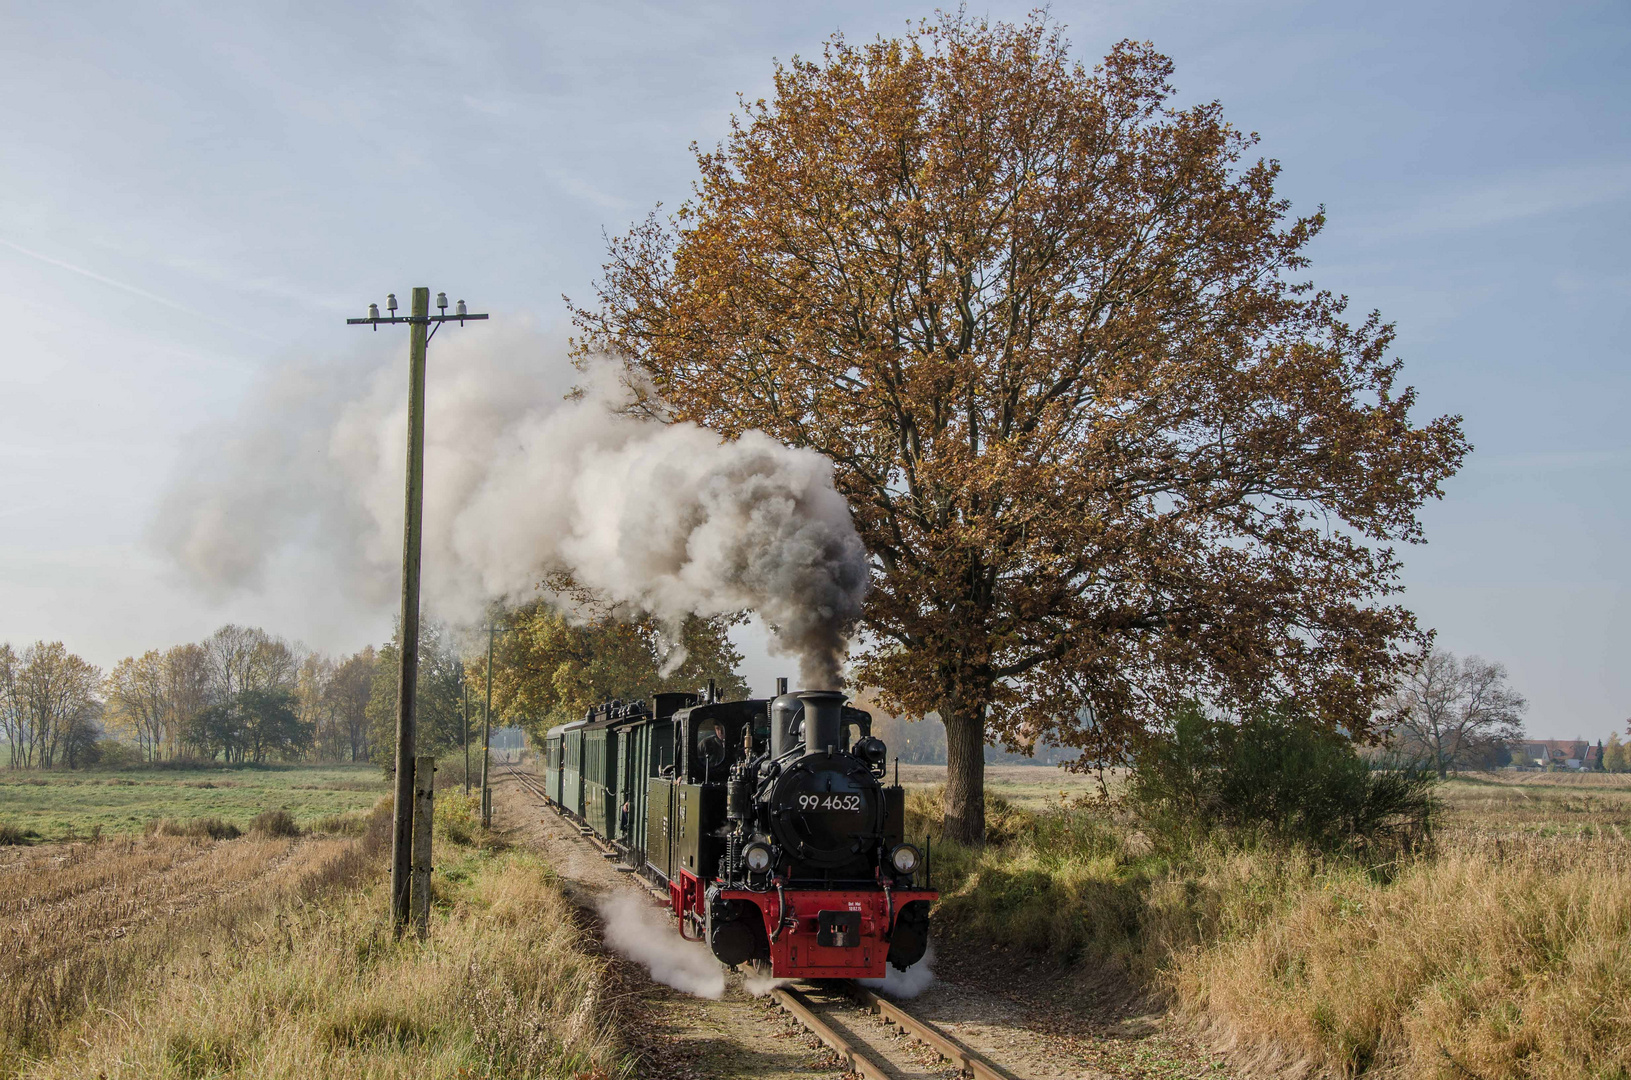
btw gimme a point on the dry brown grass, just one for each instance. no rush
(507, 986)
(1504, 951)
(274, 823)
(268, 956)
(204, 828)
(82, 926)
(1502, 956)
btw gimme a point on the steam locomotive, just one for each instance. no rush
(768, 821)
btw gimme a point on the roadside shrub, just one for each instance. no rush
(275, 823)
(11, 834)
(114, 754)
(212, 828)
(1274, 774)
(458, 816)
(354, 823)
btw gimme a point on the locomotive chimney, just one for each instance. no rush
(782, 712)
(823, 719)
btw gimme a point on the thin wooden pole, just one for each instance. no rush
(465, 683)
(424, 814)
(408, 661)
(487, 735)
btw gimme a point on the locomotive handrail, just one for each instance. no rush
(781, 912)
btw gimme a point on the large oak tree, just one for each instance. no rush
(1107, 450)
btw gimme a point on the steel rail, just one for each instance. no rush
(890, 1012)
(854, 1060)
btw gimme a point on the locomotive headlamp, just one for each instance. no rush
(904, 859)
(757, 857)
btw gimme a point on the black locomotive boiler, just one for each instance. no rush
(769, 821)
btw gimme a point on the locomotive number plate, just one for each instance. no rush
(829, 802)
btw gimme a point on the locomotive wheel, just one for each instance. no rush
(733, 943)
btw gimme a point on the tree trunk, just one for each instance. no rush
(965, 775)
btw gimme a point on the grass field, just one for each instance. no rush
(269, 957)
(1032, 787)
(1548, 804)
(1539, 803)
(68, 805)
(1501, 949)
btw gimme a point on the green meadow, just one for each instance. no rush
(66, 805)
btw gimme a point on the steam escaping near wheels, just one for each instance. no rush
(635, 930)
(760, 985)
(668, 519)
(905, 984)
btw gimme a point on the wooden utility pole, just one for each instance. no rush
(407, 683)
(424, 812)
(466, 685)
(421, 325)
(487, 736)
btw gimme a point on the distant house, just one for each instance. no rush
(1574, 754)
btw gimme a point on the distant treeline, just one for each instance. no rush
(245, 695)
(923, 742)
(240, 695)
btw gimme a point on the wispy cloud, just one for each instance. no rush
(1542, 462)
(1514, 197)
(501, 107)
(125, 286)
(582, 189)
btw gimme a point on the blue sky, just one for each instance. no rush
(192, 195)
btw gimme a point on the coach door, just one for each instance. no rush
(661, 820)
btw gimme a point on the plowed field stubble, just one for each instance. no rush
(83, 926)
(175, 953)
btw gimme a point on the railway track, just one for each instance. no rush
(820, 1007)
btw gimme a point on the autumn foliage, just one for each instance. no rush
(1106, 448)
(551, 668)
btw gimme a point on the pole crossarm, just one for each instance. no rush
(414, 319)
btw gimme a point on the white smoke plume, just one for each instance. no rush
(636, 930)
(909, 983)
(668, 519)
